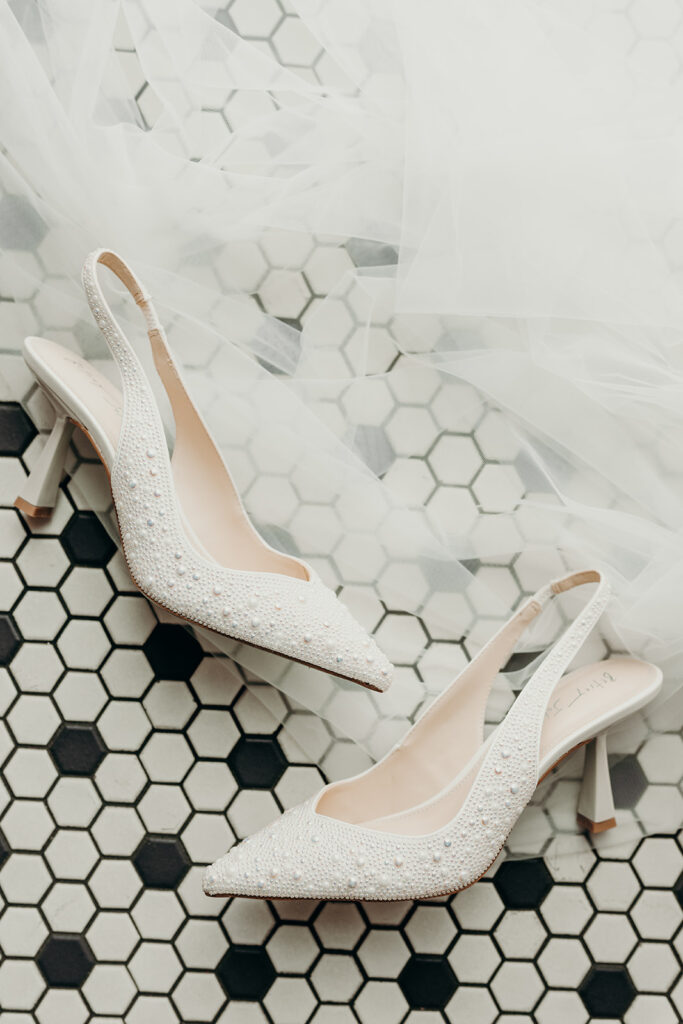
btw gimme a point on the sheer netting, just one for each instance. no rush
(422, 265)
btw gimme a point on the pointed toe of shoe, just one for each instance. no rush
(303, 620)
(294, 858)
(330, 638)
(266, 864)
(216, 876)
(306, 855)
(368, 665)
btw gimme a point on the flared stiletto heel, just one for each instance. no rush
(432, 816)
(187, 539)
(39, 493)
(595, 809)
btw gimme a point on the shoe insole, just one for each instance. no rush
(212, 512)
(596, 692)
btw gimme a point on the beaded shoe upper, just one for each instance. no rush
(299, 618)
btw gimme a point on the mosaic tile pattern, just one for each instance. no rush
(130, 757)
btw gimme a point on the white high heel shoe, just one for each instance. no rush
(188, 542)
(433, 815)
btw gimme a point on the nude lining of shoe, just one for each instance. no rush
(214, 517)
(421, 785)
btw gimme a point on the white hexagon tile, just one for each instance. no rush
(130, 757)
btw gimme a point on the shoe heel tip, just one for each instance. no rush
(595, 827)
(33, 511)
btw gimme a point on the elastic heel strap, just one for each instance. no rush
(98, 303)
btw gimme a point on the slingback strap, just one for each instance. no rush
(98, 304)
(496, 653)
(509, 772)
(535, 604)
(565, 583)
(578, 630)
(136, 384)
(547, 675)
(528, 711)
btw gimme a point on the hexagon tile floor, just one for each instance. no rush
(127, 762)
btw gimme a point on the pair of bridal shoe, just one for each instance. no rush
(185, 534)
(432, 816)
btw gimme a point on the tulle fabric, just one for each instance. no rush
(509, 174)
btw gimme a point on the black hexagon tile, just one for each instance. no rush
(607, 991)
(77, 749)
(16, 429)
(4, 849)
(85, 540)
(246, 972)
(427, 982)
(65, 960)
(161, 861)
(10, 639)
(257, 762)
(628, 781)
(172, 651)
(523, 884)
